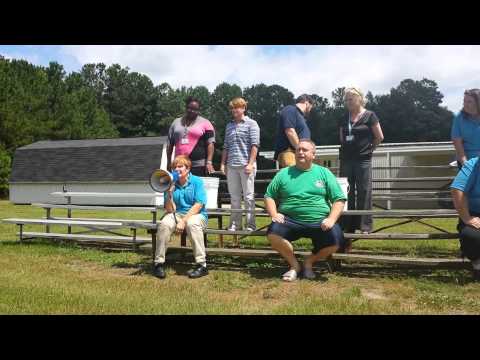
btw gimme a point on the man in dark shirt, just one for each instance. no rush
(292, 126)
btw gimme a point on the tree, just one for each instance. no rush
(95, 77)
(412, 112)
(220, 112)
(265, 103)
(130, 100)
(337, 95)
(5, 166)
(323, 122)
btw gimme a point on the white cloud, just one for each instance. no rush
(314, 69)
(29, 57)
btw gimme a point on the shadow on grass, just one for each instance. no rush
(270, 268)
(398, 272)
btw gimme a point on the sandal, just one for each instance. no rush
(290, 275)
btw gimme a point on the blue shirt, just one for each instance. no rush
(187, 195)
(468, 181)
(469, 131)
(290, 117)
(239, 139)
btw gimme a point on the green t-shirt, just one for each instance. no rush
(305, 195)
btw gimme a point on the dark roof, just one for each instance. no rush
(130, 159)
(95, 143)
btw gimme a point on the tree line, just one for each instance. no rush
(46, 103)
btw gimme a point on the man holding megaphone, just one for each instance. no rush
(185, 199)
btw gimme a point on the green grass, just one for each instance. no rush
(43, 277)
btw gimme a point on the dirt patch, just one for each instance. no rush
(373, 294)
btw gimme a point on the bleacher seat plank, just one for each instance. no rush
(145, 224)
(79, 237)
(401, 260)
(401, 236)
(62, 222)
(398, 260)
(371, 236)
(95, 207)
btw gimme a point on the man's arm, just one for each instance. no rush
(292, 137)
(335, 213)
(271, 208)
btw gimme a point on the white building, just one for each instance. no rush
(101, 165)
(400, 160)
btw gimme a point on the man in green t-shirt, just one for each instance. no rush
(310, 203)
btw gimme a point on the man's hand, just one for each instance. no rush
(248, 169)
(278, 218)
(210, 168)
(327, 224)
(474, 222)
(180, 226)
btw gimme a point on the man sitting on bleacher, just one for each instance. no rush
(310, 203)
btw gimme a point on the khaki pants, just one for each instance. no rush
(195, 226)
(238, 182)
(286, 158)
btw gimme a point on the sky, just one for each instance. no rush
(301, 69)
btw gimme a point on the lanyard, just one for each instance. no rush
(350, 121)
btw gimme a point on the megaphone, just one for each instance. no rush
(161, 180)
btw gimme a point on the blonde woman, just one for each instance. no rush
(360, 133)
(239, 156)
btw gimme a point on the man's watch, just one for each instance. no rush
(209, 162)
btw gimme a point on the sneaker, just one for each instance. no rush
(249, 228)
(197, 272)
(159, 271)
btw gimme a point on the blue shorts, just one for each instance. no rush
(292, 230)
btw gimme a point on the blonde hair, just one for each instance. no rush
(357, 92)
(238, 102)
(182, 160)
